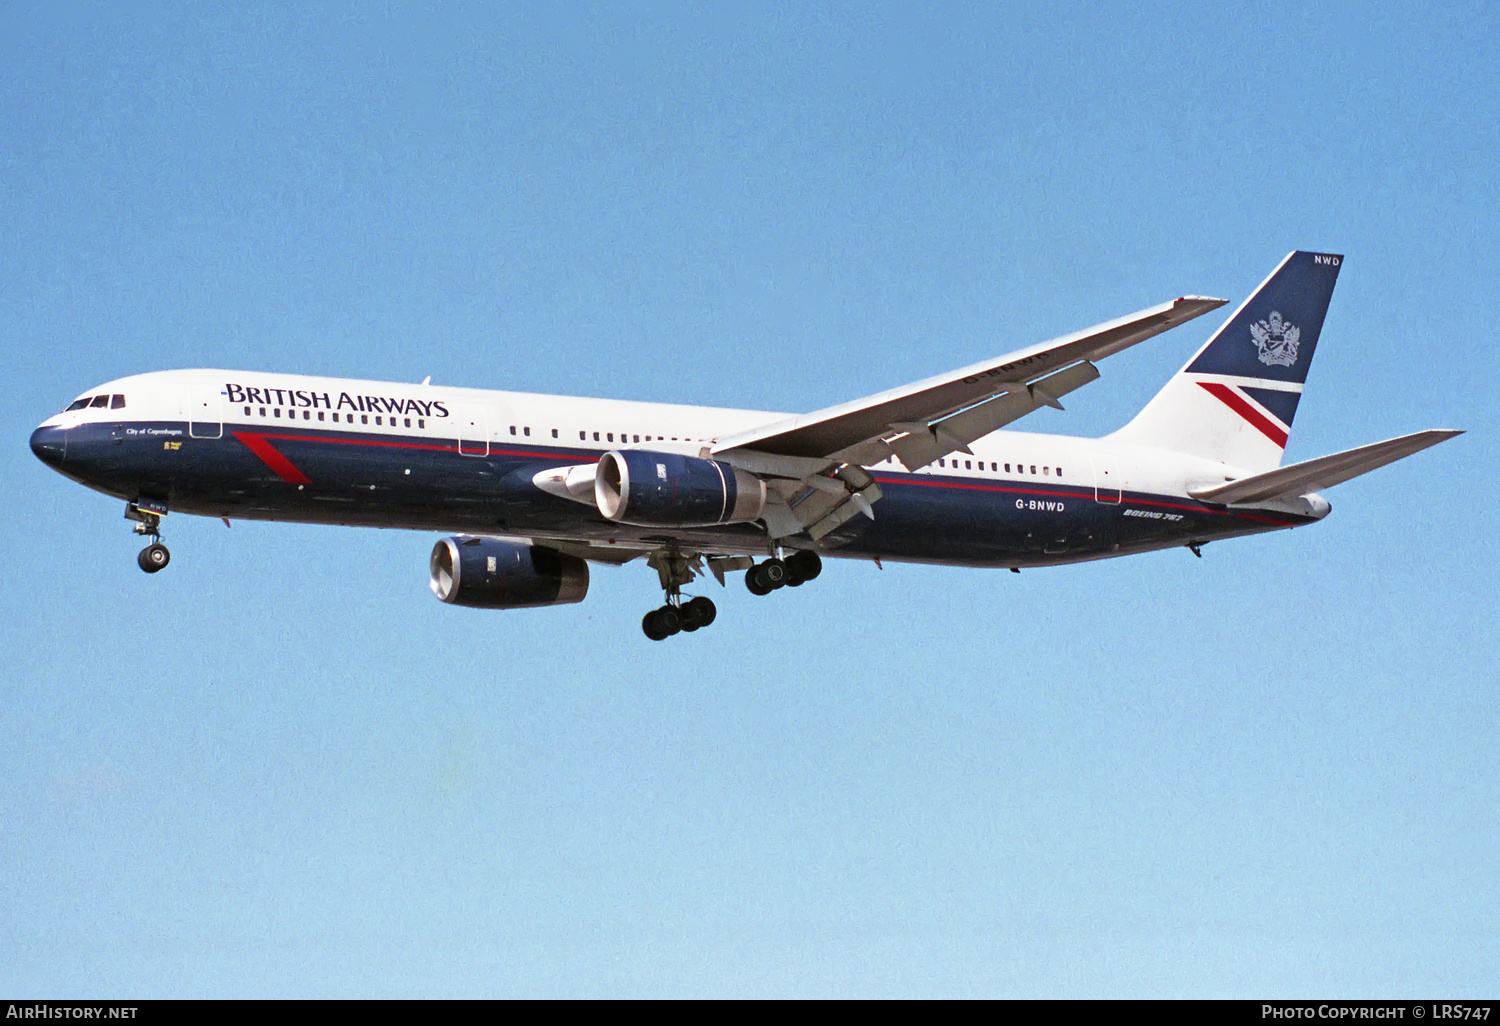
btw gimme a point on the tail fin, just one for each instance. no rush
(1235, 399)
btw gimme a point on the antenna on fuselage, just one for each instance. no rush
(427, 380)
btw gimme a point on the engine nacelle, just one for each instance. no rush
(490, 573)
(664, 489)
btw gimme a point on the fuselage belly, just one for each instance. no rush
(310, 474)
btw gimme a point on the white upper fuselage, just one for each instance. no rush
(496, 419)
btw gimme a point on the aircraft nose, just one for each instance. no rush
(50, 445)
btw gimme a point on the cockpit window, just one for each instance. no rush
(99, 402)
(117, 402)
(77, 404)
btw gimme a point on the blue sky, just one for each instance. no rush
(282, 768)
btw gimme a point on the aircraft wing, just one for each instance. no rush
(816, 460)
(1324, 472)
(613, 554)
(917, 423)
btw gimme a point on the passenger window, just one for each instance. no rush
(554, 432)
(583, 436)
(1059, 471)
(596, 436)
(276, 412)
(610, 436)
(407, 422)
(1033, 468)
(117, 402)
(364, 418)
(99, 402)
(637, 438)
(526, 431)
(1045, 472)
(379, 422)
(968, 465)
(307, 415)
(320, 414)
(262, 411)
(247, 411)
(512, 429)
(994, 467)
(941, 463)
(335, 418)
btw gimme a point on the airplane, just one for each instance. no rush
(534, 488)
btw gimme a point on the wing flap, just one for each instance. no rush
(925, 443)
(1323, 472)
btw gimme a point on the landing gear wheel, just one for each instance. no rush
(154, 557)
(755, 584)
(660, 624)
(802, 566)
(697, 613)
(648, 626)
(773, 573)
(668, 619)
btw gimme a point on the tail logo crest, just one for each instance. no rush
(1276, 339)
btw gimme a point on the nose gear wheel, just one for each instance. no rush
(153, 557)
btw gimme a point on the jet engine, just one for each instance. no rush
(664, 489)
(492, 573)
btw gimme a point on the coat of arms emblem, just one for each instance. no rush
(1276, 339)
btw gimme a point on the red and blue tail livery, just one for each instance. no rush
(1236, 397)
(1273, 335)
(531, 489)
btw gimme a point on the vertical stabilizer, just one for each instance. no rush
(1235, 400)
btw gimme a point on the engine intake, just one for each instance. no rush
(491, 573)
(664, 489)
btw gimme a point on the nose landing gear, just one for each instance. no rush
(155, 556)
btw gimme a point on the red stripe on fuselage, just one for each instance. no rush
(1230, 398)
(259, 443)
(1125, 499)
(283, 467)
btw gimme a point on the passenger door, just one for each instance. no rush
(206, 416)
(1106, 480)
(473, 430)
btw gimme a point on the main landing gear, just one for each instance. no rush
(677, 614)
(795, 570)
(155, 556)
(676, 569)
(660, 624)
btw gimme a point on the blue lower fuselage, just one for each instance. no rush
(306, 475)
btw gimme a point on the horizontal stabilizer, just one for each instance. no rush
(1323, 472)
